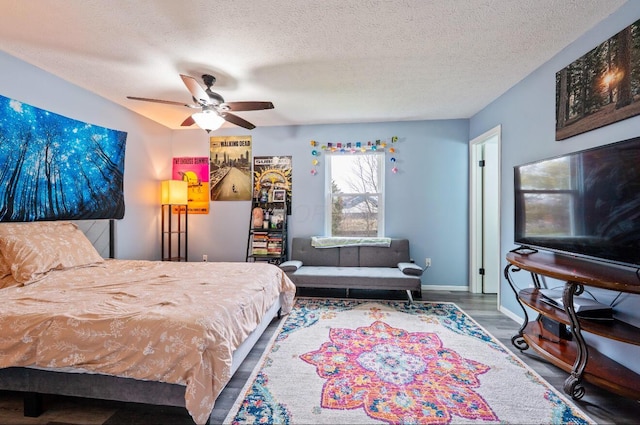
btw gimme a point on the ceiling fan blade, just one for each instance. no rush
(248, 106)
(189, 121)
(168, 102)
(195, 89)
(234, 119)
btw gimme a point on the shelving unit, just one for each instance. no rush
(174, 233)
(267, 239)
(574, 354)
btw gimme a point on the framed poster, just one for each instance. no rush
(230, 168)
(195, 171)
(271, 175)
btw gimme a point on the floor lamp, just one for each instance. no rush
(174, 220)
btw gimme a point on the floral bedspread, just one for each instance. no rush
(160, 321)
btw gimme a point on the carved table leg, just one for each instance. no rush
(573, 385)
(517, 340)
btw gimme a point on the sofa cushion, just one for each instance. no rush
(410, 269)
(375, 256)
(302, 250)
(354, 277)
(349, 256)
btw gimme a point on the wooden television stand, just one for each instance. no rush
(574, 354)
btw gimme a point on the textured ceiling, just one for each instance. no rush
(318, 61)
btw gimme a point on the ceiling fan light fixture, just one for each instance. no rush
(208, 120)
(215, 111)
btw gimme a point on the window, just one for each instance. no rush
(354, 186)
(550, 198)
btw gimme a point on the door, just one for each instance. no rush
(485, 212)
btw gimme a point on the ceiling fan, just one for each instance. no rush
(214, 110)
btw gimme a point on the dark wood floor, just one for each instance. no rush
(600, 405)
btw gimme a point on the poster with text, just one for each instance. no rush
(230, 168)
(195, 171)
(272, 174)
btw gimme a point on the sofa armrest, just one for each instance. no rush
(411, 269)
(291, 265)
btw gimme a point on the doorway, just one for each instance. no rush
(484, 202)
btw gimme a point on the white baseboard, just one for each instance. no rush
(510, 314)
(445, 288)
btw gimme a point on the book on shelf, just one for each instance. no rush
(259, 248)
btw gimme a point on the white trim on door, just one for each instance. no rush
(484, 252)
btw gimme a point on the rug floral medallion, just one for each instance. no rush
(359, 361)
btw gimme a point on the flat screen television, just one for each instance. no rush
(585, 203)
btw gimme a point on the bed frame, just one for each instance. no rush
(34, 382)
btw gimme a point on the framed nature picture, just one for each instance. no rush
(279, 195)
(600, 88)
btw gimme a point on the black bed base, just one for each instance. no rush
(34, 383)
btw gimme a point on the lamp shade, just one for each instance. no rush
(174, 192)
(208, 120)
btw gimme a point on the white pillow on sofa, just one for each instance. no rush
(291, 265)
(411, 269)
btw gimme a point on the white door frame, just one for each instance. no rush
(476, 149)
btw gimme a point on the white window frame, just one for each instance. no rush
(328, 204)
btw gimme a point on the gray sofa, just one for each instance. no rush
(354, 267)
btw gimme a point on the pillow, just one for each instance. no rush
(291, 265)
(31, 256)
(20, 228)
(35, 227)
(411, 269)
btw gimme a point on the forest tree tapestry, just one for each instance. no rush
(56, 168)
(601, 87)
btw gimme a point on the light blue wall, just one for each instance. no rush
(148, 147)
(426, 201)
(527, 115)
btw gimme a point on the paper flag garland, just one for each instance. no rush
(352, 148)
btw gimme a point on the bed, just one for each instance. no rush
(74, 323)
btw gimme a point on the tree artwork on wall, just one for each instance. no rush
(56, 168)
(601, 87)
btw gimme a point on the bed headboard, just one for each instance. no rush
(101, 234)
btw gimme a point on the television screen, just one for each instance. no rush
(585, 203)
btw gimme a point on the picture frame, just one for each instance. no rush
(597, 89)
(279, 195)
